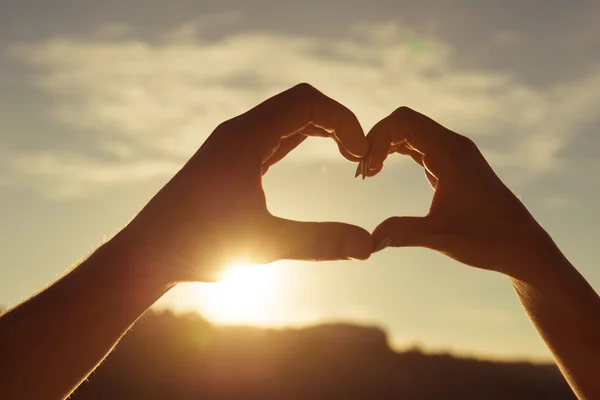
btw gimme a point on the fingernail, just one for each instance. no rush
(383, 244)
(359, 168)
(357, 247)
(362, 169)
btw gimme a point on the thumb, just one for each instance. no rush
(318, 241)
(406, 232)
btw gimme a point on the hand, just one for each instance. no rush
(474, 218)
(214, 210)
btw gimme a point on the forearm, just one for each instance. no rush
(566, 312)
(51, 342)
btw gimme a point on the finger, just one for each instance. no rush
(431, 179)
(418, 131)
(288, 144)
(346, 154)
(284, 148)
(384, 148)
(379, 148)
(415, 155)
(318, 241)
(312, 130)
(372, 172)
(399, 148)
(291, 111)
(395, 147)
(406, 232)
(419, 159)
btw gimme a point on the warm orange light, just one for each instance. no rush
(242, 295)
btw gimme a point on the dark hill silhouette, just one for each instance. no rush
(183, 357)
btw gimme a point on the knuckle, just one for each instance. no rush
(466, 144)
(350, 115)
(404, 112)
(226, 126)
(305, 89)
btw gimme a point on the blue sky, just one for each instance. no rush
(101, 102)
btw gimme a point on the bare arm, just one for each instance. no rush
(51, 342)
(475, 219)
(566, 312)
(212, 212)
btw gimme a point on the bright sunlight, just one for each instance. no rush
(243, 295)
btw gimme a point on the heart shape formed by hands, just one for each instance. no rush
(214, 210)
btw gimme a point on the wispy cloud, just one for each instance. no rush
(76, 176)
(135, 97)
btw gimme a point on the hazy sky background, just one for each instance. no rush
(102, 101)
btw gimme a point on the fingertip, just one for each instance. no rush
(358, 244)
(356, 150)
(382, 244)
(351, 136)
(347, 155)
(374, 171)
(319, 241)
(408, 232)
(378, 151)
(384, 230)
(362, 257)
(376, 160)
(361, 146)
(364, 147)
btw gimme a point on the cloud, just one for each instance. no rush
(112, 31)
(136, 98)
(76, 176)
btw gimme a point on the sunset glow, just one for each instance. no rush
(243, 295)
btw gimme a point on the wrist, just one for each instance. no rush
(126, 262)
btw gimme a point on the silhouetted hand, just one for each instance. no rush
(214, 210)
(474, 218)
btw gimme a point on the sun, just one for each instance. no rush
(243, 295)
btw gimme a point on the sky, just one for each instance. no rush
(102, 102)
